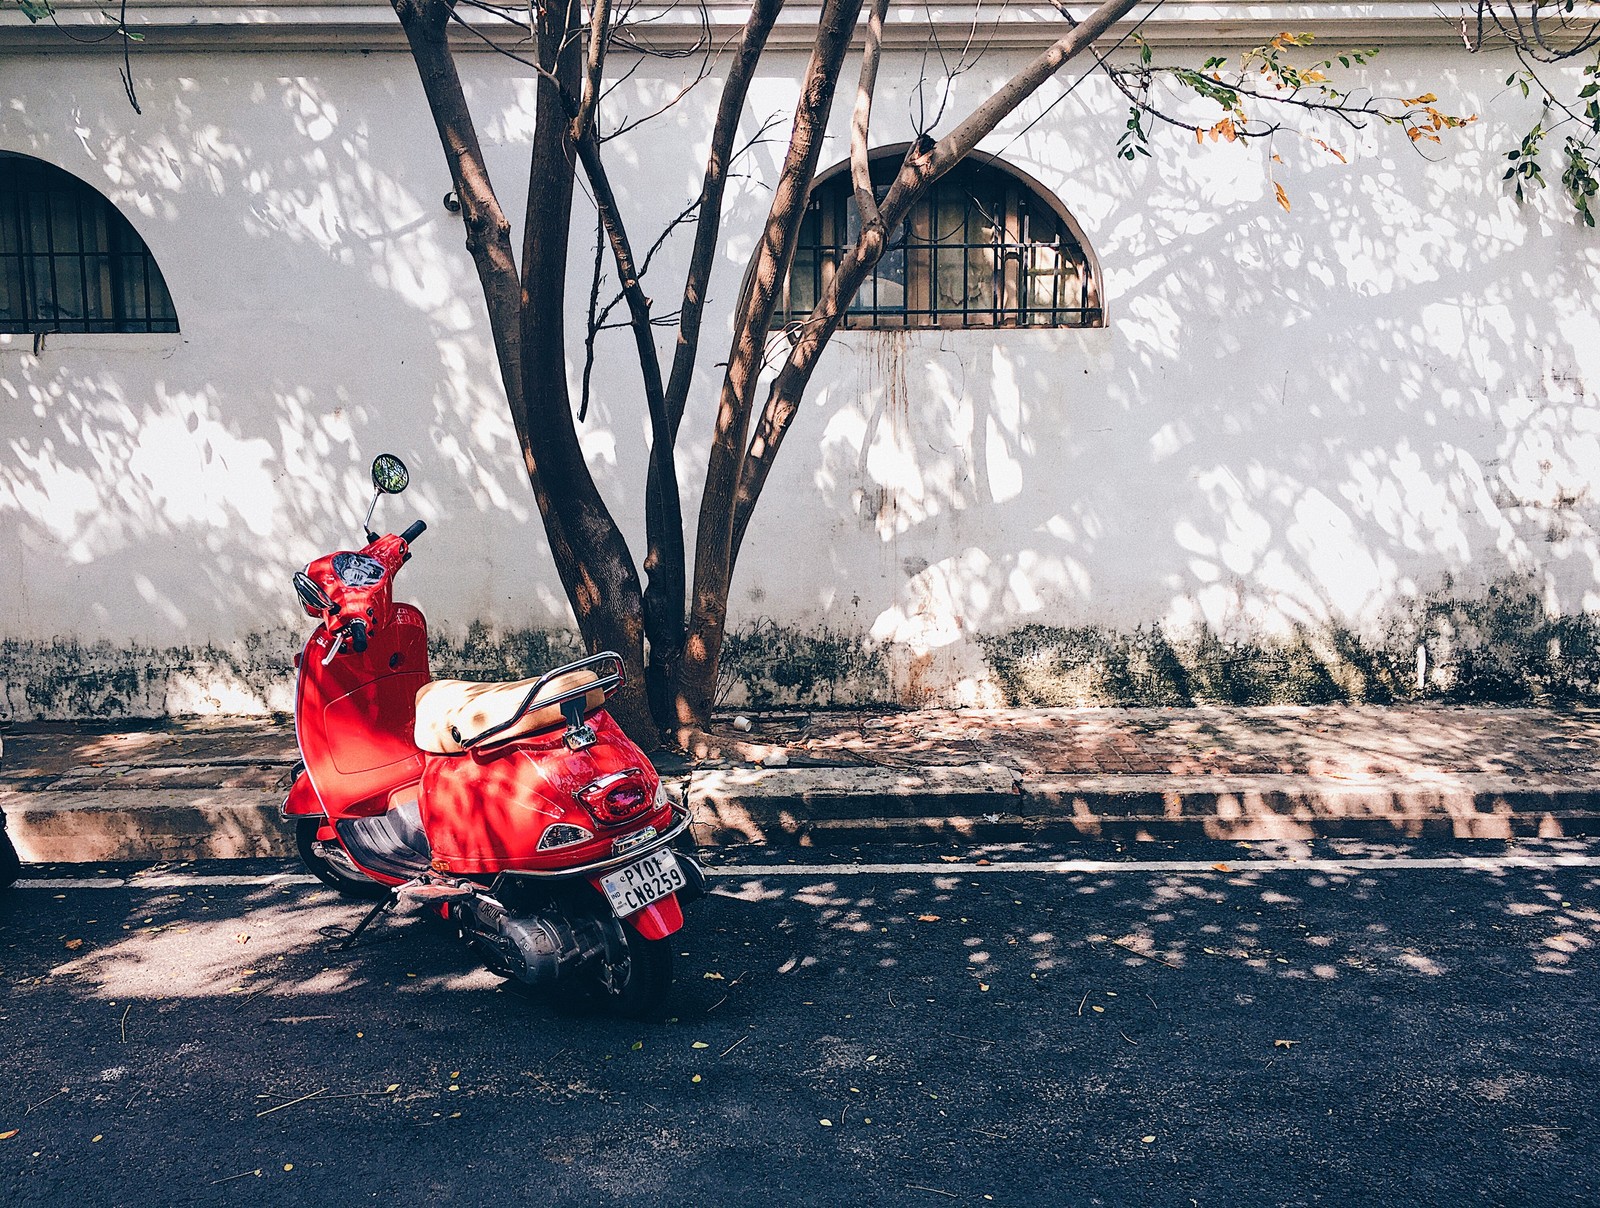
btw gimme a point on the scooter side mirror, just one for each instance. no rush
(389, 474)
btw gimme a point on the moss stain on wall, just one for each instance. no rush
(1497, 646)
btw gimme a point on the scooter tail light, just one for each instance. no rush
(615, 799)
(563, 834)
(622, 803)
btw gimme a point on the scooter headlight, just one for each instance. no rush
(563, 834)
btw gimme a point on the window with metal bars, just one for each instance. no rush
(69, 260)
(984, 249)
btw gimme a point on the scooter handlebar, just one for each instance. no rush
(414, 531)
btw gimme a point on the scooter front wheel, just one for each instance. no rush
(330, 865)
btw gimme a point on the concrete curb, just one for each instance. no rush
(820, 805)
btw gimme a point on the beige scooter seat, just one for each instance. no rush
(449, 711)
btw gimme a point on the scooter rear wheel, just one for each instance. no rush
(336, 870)
(638, 986)
(10, 866)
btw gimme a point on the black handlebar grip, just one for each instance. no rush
(358, 636)
(414, 531)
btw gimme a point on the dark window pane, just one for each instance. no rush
(11, 300)
(69, 261)
(981, 250)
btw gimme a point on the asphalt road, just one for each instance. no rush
(1260, 1033)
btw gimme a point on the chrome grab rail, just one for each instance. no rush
(608, 684)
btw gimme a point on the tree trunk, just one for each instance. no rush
(713, 570)
(592, 557)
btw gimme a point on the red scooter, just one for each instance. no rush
(519, 811)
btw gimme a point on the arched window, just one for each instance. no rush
(986, 248)
(69, 261)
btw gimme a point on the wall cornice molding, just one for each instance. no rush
(361, 25)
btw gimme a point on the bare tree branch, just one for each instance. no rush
(752, 41)
(594, 66)
(425, 23)
(924, 163)
(664, 559)
(861, 119)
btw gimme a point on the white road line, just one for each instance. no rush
(1229, 868)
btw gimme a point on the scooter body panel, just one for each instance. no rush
(355, 715)
(487, 811)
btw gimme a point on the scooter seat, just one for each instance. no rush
(451, 713)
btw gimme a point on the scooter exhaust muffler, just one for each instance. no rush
(536, 949)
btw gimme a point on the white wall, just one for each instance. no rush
(1291, 418)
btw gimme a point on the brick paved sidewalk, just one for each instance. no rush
(1329, 741)
(212, 787)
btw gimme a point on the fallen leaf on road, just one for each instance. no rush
(241, 938)
(713, 977)
(927, 918)
(1284, 1044)
(391, 1088)
(1222, 868)
(6, 1136)
(1148, 1140)
(74, 944)
(946, 859)
(1099, 1009)
(699, 1044)
(825, 1123)
(696, 1078)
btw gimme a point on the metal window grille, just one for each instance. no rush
(69, 260)
(982, 250)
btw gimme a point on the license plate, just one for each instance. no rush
(634, 886)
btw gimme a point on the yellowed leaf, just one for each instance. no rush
(6, 1136)
(927, 918)
(699, 1044)
(391, 1088)
(713, 977)
(1283, 198)
(74, 945)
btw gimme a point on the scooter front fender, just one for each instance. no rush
(302, 801)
